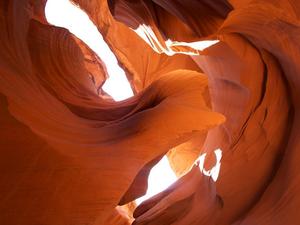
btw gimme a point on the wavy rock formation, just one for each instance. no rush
(71, 156)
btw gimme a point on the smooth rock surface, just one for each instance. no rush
(70, 155)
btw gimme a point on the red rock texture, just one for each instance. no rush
(70, 155)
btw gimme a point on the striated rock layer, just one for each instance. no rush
(72, 156)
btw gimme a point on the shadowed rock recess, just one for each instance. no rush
(70, 155)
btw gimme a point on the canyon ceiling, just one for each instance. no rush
(70, 155)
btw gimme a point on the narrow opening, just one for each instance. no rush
(63, 13)
(161, 177)
(215, 170)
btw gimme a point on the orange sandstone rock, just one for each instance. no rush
(69, 155)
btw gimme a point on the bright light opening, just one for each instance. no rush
(147, 34)
(65, 14)
(198, 45)
(215, 170)
(160, 178)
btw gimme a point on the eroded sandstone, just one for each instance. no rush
(71, 155)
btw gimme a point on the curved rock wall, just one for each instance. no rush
(69, 155)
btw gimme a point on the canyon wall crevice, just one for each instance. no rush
(70, 155)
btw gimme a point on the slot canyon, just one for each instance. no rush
(209, 87)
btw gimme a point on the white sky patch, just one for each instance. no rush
(160, 178)
(198, 45)
(147, 34)
(63, 13)
(162, 175)
(213, 172)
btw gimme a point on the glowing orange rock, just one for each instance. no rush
(70, 156)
